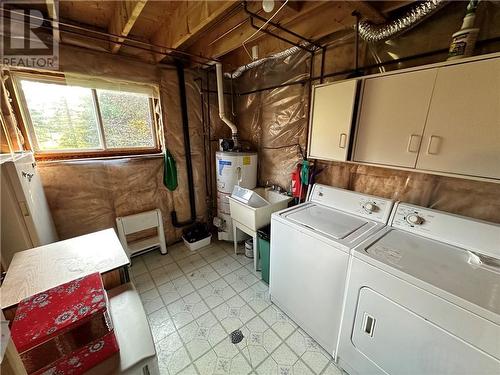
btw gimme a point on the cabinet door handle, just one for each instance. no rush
(433, 146)
(412, 146)
(342, 140)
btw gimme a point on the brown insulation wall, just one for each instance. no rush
(88, 195)
(278, 118)
(169, 93)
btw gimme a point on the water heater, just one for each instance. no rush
(232, 168)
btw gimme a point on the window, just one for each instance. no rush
(68, 118)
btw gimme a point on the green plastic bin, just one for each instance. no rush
(264, 235)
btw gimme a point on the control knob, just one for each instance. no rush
(370, 207)
(414, 219)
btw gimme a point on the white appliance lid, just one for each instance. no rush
(444, 266)
(326, 220)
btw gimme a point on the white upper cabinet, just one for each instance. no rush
(462, 134)
(332, 117)
(392, 118)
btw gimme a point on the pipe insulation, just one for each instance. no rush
(373, 33)
(220, 99)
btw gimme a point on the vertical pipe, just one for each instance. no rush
(311, 73)
(322, 72)
(209, 126)
(202, 104)
(187, 149)
(356, 41)
(222, 112)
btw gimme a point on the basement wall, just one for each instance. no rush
(87, 195)
(275, 121)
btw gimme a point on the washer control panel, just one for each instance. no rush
(368, 206)
(456, 230)
(372, 208)
(414, 219)
(407, 217)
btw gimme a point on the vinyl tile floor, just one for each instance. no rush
(195, 300)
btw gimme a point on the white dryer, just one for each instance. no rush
(423, 297)
(310, 245)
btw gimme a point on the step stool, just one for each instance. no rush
(136, 223)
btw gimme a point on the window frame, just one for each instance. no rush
(77, 153)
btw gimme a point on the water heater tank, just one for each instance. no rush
(232, 168)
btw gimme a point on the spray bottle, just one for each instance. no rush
(463, 41)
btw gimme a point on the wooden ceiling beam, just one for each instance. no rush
(124, 17)
(295, 5)
(187, 23)
(367, 11)
(328, 18)
(229, 36)
(53, 12)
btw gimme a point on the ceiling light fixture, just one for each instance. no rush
(268, 5)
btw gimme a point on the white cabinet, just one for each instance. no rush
(392, 118)
(331, 119)
(462, 133)
(444, 119)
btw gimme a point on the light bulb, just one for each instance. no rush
(268, 5)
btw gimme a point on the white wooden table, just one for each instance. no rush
(36, 270)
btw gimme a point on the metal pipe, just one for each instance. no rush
(227, 32)
(202, 105)
(373, 33)
(278, 37)
(209, 130)
(278, 26)
(187, 150)
(309, 99)
(322, 72)
(356, 40)
(109, 35)
(117, 42)
(364, 68)
(222, 112)
(232, 99)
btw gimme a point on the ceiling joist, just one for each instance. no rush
(123, 19)
(367, 11)
(52, 10)
(189, 20)
(205, 27)
(239, 27)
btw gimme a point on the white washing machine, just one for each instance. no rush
(423, 297)
(310, 245)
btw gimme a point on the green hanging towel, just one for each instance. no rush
(304, 172)
(169, 171)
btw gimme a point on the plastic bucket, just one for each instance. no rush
(249, 248)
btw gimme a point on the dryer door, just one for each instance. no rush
(397, 341)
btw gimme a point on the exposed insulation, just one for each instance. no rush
(86, 196)
(278, 117)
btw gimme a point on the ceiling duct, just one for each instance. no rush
(280, 55)
(373, 33)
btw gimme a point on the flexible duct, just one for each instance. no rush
(242, 69)
(222, 112)
(373, 33)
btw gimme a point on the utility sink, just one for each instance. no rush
(253, 208)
